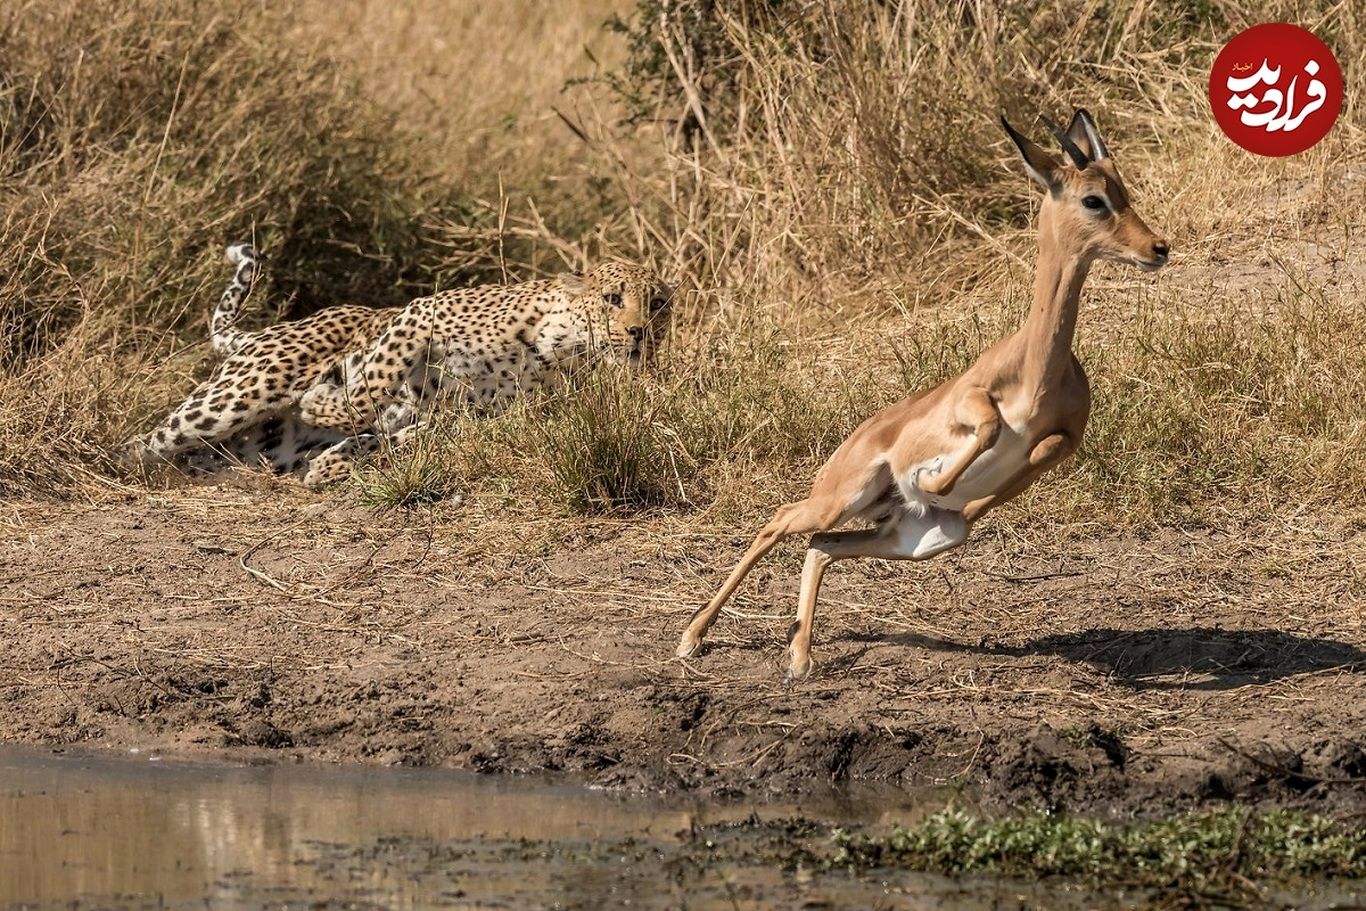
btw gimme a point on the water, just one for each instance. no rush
(82, 831)
(130, 833)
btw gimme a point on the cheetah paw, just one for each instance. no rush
(319, 406)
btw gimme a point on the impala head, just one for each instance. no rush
(626, 306)
(1087, 209)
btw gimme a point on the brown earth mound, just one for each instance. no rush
(1137, 672)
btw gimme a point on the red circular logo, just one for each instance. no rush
(1276, 89)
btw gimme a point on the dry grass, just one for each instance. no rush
(827, 177)
(135, 140)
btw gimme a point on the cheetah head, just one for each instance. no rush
(627, 305)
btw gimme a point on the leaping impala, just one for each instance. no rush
(925, 469)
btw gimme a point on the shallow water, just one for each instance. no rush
(136, 832)
(95, 831)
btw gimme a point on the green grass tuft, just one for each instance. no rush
(1203, 850)
(415, 476)
(608, 445)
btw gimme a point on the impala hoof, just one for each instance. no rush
(688, 646)
(801, 669)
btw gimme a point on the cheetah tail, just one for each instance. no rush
(224, 335)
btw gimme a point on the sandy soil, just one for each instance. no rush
(1067, 672)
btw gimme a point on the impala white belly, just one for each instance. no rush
(989, 473)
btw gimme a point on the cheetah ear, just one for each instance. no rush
(663, 292)
(573, 282)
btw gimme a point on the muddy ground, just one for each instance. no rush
(1080, 671)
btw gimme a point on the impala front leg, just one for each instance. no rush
(1048, 452)
(975, 409)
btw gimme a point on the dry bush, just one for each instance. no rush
(827, 177)
(834, 173)
(842, 146)
(136, 139)
(485, 85)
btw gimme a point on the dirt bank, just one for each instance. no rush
(1086, 672)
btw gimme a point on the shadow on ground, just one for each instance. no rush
(1148, 659)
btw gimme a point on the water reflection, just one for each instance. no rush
(175, 832)
(119, 834)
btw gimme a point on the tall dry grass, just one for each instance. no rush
(834, 173)
(827, 177)
(136, 138)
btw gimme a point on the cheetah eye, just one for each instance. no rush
(657, 304)
(613, 299)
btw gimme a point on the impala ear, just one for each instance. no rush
(1082, 131)
(1040, 165)
(1074, 152)
(573, 282)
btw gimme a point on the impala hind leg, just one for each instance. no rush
(793, 519)
(917, 536)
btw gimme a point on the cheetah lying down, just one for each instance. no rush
(316, 393)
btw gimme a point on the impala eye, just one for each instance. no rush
(613, 300)
(1093, 202)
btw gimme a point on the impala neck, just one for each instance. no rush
(1052, 317)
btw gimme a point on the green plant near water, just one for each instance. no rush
(1227, 848)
